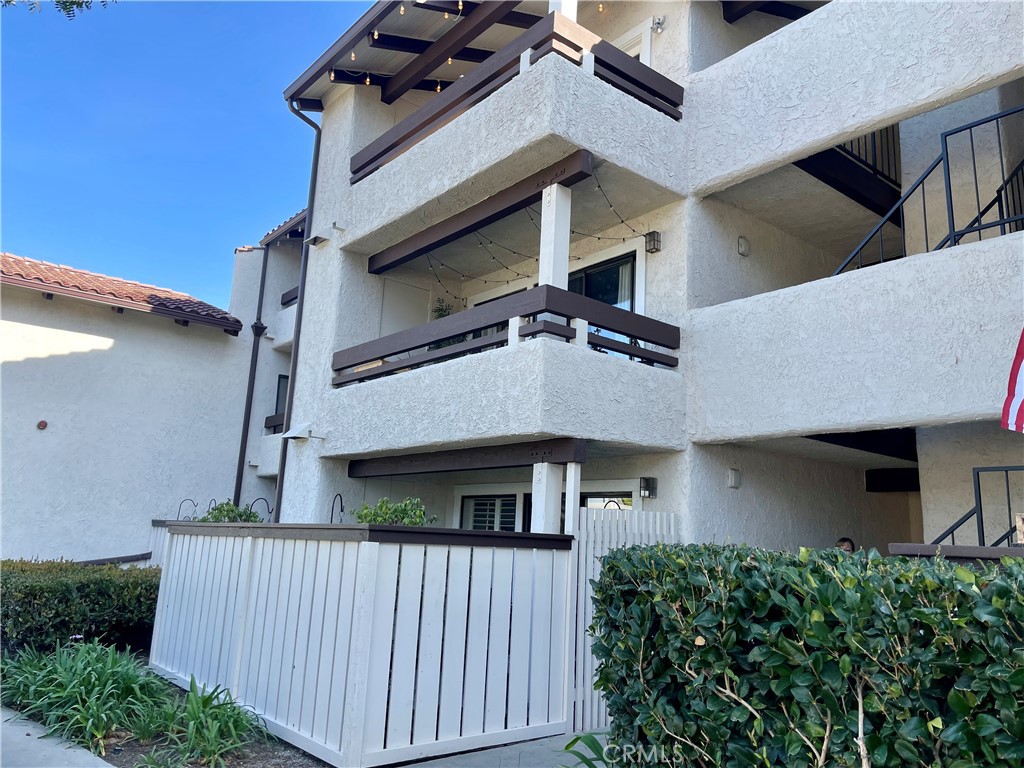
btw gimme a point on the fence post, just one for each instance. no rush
(162, 597)
(359, 654)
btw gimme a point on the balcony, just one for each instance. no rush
(540, 363)
(266, 455)
(282, 326)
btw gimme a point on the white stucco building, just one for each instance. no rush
(119, 401)
(589, 249)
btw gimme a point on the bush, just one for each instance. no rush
(90, 694)
(84, 692)
(726, 656)
(46, 603)
(226, 512)
(385, 512)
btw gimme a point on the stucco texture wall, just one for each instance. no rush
(871, 63)
(141, 413)
(946, 456)
(920, 341)
(785, 502)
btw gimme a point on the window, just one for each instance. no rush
(275, 423)
(489, 513)
(610, 282)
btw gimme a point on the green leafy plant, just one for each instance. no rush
(84, 692)
(214, 725)
(385, 512)
(588, 751)
(46, 603)
(226, 512)
(733, 656)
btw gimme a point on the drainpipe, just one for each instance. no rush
(258, 328)
(300, 307)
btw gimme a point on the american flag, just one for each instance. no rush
(1013, 408)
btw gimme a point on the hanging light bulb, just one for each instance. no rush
(401, 10)
(449, 60)
(438, 86)
(446, 14)
(600, 7)
(367, 80)
(376, 34)
(460, 6)
(353, 55)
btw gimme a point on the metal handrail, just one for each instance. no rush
(977, 512)
(975, 225)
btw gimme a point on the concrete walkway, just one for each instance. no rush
(24, 744)
(542, 753)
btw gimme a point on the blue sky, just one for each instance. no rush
(147, 140)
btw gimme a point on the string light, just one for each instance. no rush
(617, 214)
(460, 6)
(401, 10)
(449, 60)
(353, 55)
(600, 7)
(367, 81)
(438, 86)
(446, 14)
(376, 34)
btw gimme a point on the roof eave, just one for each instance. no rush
(292, 223)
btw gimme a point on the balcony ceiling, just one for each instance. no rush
(476, 257)
(417, 23)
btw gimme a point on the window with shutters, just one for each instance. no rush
(489, 513)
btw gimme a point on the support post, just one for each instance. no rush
(573, 475)
(554, 236)
(547, 498)
(565, 7)
(514, 323)
(582, 329)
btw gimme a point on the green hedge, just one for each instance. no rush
(732, 656)
(46, 603)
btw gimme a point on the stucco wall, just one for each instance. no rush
(919, 341)
(785, 502)
(711, 39)
(141, 414)
(843, 71)
(946, 456)
(716, 272)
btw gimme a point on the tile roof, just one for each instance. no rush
(56, 278)
(284, 227)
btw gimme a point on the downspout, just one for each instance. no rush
(258, 329)
(299, 309)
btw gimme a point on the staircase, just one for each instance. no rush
(1002, 207)
(977, 516)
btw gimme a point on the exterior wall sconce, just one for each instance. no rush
(742, 246)
(735, 478)
(652, 241)
(658, 24)
(301, 432)
(648, 487)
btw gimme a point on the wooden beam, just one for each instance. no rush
(900, 443)
(560, 450)
(734, 10)
(386, 42)
(573, 169)
(455, 39)
(513, 19)
(341, 77)
(850, 178)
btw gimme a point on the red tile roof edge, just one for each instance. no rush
(48, 277)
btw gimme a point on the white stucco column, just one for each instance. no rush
(565, 7)
(554, 236)
(573, 474)
(547, 498)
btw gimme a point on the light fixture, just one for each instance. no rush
(401, 10)
(367, 80)
(648, 487)
(652, 241)
(658, 24)
(376, 34)
(600, 7)
(438, 86)
(446, 14)
(353, 55)
(735, 478)
(460, 6)
(301, 432)
(449, 60)
(742, 246)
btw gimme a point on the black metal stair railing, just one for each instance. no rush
(1006, 202)
(977, 513)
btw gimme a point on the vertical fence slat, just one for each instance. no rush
(428, 667)
(379, 663)
(497, 642)
(523, 570)
(332, 652)
(476, 642)
(454, 644)
(403, 659)
(542, 640)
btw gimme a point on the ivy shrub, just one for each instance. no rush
(387, 512)
(226, 512)
(733, 656)
(48, 603)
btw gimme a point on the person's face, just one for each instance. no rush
(847, 547)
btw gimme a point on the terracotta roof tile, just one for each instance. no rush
(57, 278)
(285, 226)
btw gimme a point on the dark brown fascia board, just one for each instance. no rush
(455, 39)
(573, 169)
(734, 10)
(366, 23)
(560, 450)
(400, 44)
(341, 77)
(231, 327)
(383, 534)
(309, 105)
(292, 223)
(451, 7)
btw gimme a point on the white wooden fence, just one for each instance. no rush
(601, 530)
(368, 646)
(158, 542)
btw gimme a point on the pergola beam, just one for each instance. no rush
(560, 450)
(571, 170)
(341, 77)
(451, 42)
(513, 19)
(388, 42)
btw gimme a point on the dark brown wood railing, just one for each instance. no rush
(485, 327)
(552, 34)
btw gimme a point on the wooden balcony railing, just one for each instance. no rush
(486, 327)
(553, 34)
